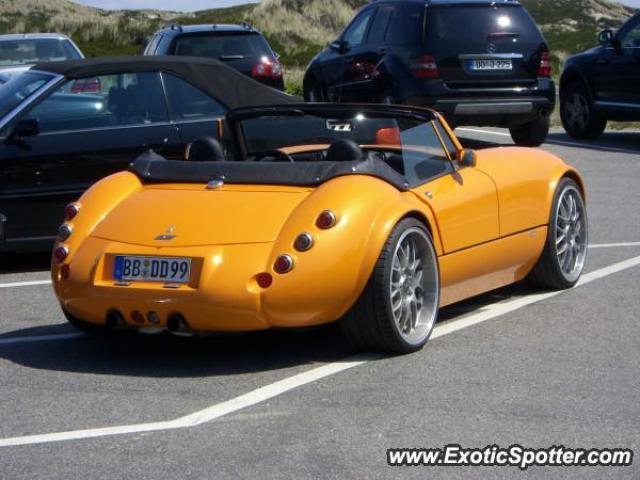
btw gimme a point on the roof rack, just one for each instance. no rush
(173, 26)
(246, 25)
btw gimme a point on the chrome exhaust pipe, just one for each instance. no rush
(114, 320)
(177, 325)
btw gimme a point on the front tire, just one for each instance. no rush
(531, 134)
(579, 119)
(397, 311)
(565, 251)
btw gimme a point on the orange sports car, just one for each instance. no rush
(373, 216)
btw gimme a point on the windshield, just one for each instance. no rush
(13, 93)
(30, 51)
(409, 144)
(223, 46)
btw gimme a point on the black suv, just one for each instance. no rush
(240, 46)
(480, 62)
(602, 83)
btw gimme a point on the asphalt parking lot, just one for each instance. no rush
(513, 366)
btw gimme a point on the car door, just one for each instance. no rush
(194, 113)
(87, 130)
(617, 68)
(337, 67)
(463, 199)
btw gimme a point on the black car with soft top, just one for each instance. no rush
(602, 83)
(65, 125)
(239, 46)
(480, 62)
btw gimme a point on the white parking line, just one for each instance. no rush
(278, 388)
(25, 284)
(40, 338)
(553, 142)
(615, 245)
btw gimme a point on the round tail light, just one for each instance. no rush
(326, 220)
(65, 272)
(70, 211)
(283, 264)
(64, 232)
(264, 280)
(304, 242)
(61, 253)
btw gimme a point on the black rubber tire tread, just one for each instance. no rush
(369, 326)
(597, 122)
(531, 134)
(547, 273)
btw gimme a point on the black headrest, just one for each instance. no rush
(344, 151)
(206, 149)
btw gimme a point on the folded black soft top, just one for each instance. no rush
(153, 168)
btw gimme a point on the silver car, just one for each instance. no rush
(19, 52)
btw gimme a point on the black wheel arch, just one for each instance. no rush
(574, 75)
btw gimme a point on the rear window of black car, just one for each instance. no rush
(222, 45)
(471, 28)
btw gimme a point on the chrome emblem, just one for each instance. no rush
(491, 48)
(215, 184)
(168, 234)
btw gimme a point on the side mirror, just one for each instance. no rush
(340, 46)
(27, 127)
(605, 37)
(467, 158)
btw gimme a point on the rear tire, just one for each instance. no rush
(579, 119)
(86, 327)
(531, 134)
(562, 261)
(398, 308)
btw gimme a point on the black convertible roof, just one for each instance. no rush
(231, 87)
(153, 168)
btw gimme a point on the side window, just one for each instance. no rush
(379, 26)
(630, 36)
(423, 154)
(104, 101)
(186, 102)
(406, 25)
(354, 34)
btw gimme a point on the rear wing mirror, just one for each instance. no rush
(467, 158)
(605, 37)
(340, 46)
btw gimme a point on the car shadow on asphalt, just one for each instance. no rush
(167, 356)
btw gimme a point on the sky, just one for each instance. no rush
(193, 5)
(176, 5)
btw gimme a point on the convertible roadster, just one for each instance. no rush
(372, 216)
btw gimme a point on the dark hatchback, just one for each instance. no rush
(602, 83)
(239, 46)
(479, 62)
(65, 125)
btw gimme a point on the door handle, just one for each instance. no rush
(382, 51)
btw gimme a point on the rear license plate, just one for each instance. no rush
(484, 65)
(152, 269)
